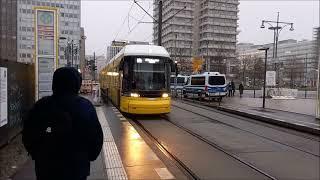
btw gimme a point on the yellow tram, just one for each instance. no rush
(137, 80)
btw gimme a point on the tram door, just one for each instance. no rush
(120, 88)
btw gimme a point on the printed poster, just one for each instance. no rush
(3, 96)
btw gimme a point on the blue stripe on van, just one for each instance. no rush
(192, 89)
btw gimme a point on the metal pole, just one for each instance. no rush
(277, 36)
(305, 77)
(254, 80)
(208, 63)
(94, 65)
(160, 24)
(265, 78)
(175, 63)
(274, 43)
(72, 53)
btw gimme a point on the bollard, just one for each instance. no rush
(192, 96)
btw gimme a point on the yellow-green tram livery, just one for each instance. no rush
(137, 80)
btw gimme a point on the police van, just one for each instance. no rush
(180, 80)
(209, 85)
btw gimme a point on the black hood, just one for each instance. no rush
(66, 80)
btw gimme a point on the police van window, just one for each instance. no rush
(217, 80)
(198, 81)
(180, 80)
(171, 80)
(188, 80)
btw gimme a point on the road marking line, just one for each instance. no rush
(119, 115)
(112, 159)
(164, 173)
(123, 119)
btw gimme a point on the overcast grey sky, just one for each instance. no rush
(104, 21)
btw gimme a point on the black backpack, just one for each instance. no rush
(56, 132)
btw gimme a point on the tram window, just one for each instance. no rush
(217, 80)
(198, 81)
(149, 74)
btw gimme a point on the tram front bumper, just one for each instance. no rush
(146, 106)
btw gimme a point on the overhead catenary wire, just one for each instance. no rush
(139, 20)
(124, 21)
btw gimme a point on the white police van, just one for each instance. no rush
(209, 85)
(181, 81)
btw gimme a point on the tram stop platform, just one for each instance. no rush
(298, 121)
(126, 154)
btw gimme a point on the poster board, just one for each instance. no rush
(3, 96)
(46, 37)
(271, 78)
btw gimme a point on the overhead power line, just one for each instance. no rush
(139, 20)
(124, 21)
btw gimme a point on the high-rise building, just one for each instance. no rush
(8, 30)
(116, 47)
(68, 23)
(199, 28)
(82, 50)
(317, 42)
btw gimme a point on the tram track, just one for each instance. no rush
(166, 152)
(185, 168)
(275, 127)
(235, 127)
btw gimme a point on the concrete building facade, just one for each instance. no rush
(8, 30)
(204, 28)
(69, 27)
(296, 64)
(116, 47)
(82, 50)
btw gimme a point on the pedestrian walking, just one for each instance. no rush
(229, 90)
(62, 132)
(233, 87)
(241, 88)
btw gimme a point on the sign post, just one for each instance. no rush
(46, 38)
(3, 96)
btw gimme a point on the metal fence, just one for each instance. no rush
(20, 97)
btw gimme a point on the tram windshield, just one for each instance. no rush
(147, 74)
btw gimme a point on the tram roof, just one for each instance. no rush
(145, 50)
(142, 50)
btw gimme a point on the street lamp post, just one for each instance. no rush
(275, 26)
(208, 60)
(265, 77)
(305, 76)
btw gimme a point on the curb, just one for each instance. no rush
(274, 121)
(278, 122)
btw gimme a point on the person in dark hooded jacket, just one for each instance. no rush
(62, 132)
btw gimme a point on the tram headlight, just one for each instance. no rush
(165, 95)
(136, 95)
